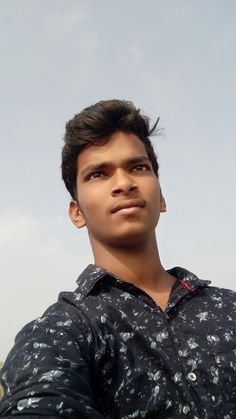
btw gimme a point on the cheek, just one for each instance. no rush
(90, 205)
(155, 201)
(154, 192)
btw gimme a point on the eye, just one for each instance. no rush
(95, 175)
(141, 167)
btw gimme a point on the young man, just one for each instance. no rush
(134, 340)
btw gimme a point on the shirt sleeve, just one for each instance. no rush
(48, 371)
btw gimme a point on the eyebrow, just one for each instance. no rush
(105, 164)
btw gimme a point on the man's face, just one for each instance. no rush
(119, 197)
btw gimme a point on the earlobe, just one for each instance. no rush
(76, 215)
(162, 204)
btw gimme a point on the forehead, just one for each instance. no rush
(119, 147)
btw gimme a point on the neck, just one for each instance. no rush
(139, 264)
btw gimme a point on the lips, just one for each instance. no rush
(128, 204)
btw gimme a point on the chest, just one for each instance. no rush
(164, 363)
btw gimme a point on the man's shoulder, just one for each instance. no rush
(205, 294)
(72, 310)
(225, 295)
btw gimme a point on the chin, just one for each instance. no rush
(131, 238)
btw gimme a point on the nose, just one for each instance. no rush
(123, 184)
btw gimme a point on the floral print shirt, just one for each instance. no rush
(107, 350)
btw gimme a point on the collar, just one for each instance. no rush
(94, 274)
(89, 278)
(187, 279)
(187, 283)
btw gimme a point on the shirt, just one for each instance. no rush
(108, 351)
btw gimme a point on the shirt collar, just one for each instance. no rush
(89, 277)
(188, 283)
(187, 278)
(93, 274)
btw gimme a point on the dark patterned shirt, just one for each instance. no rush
(108, 351)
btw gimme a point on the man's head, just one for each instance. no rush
(94, 126)
(111, 171)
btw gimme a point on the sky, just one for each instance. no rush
(172, 59)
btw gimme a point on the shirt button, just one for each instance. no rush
(192, 376)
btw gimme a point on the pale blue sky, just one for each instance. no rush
(173, 59)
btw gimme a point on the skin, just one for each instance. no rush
(123, 242)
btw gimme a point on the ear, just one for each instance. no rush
(162, 203)
(76, 215)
